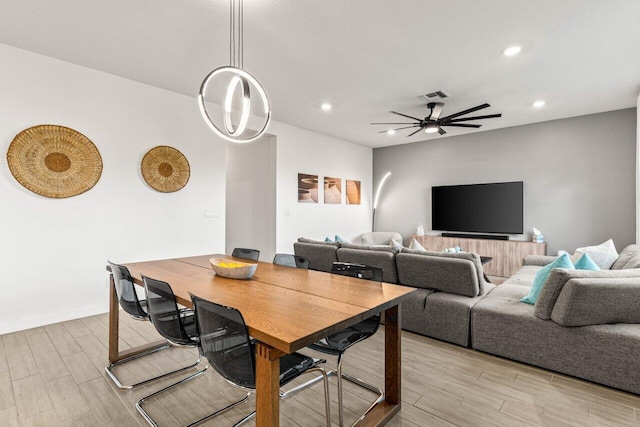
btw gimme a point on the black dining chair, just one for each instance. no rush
(338, 343)
(177, 325)
(289, 260)
(246, 253)
(226, 344)
(137, 309)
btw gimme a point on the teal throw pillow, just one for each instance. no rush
(563, 261)
(328, 240)
(341, 240)
(586, 263)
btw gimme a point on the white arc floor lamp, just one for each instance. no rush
(375, 200)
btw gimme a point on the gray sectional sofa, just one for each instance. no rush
(584, 323)
(449, 284)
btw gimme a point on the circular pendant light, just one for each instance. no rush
(240, 78)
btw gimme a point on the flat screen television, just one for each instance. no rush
(482, 208)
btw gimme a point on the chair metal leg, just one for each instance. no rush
(150, 420)
(360, 383)
(109, 369)
(340, 407)
(297, 389)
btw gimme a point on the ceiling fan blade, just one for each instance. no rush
(470, 110)
(404, 115)
(460, 125)
(441, 131)
(466, 119)
(391, 123)
(437, 109)
(413, 133)
(407, 127)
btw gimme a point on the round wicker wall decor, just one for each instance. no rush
(54, 161)
(165, 169)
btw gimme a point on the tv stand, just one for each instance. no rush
(476, 236)
(507, 254)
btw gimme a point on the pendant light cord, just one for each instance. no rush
(236, 33)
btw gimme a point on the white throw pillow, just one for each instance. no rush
(416, 246)
(396, 245)
(604, 255)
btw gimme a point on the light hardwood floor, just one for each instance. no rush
(54, 376)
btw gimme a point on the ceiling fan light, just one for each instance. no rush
(512, 51)
(431, 129)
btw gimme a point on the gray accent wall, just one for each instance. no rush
(578, 173)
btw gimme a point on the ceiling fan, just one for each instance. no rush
(433, 123)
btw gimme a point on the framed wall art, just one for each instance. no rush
(307, 188)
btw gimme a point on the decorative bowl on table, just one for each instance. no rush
(232, 269)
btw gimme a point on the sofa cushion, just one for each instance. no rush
(633, 263)
(380, 238)
(559, 277)
(439, 315)
(377, 258)
(584, 302)
(447, 274)
(381, 248)
(318, 242)
(604, 254)
(321, 256)
(524, 276)
(625, 256)
(563, 261)
(539, 260)
(469, 256)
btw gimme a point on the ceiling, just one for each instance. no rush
(365, 57)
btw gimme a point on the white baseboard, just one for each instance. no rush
(34, 322)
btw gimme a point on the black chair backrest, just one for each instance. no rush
(289, 260)
(359, 271)
(225, 342)
(252, 254)
(126, 291)
(163, 311)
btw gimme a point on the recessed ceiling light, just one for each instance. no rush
(391, 132)
(512, 50)
(539, 104)
(326, 106)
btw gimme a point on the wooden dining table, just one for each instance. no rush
(285, 309)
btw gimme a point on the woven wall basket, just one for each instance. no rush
(165, 169)
(54, 161)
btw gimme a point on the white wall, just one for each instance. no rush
(251, 196)
(638, 172)
(54, 251)
(301, 151)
